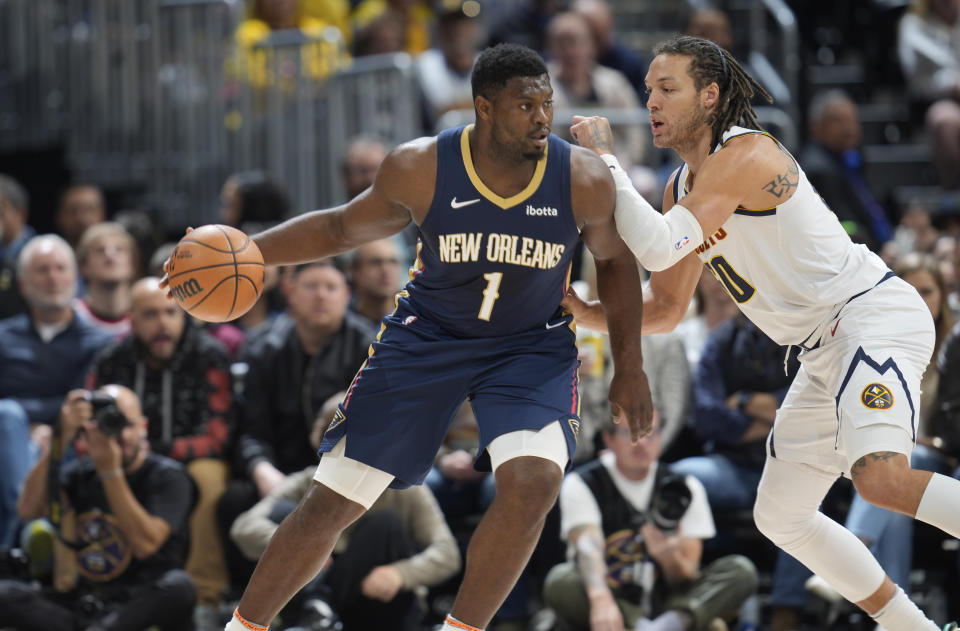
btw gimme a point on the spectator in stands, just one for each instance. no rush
(414, 15)
(140, 224)
(610, 52)
(334, 12)
(182, 376)
(251, 201)
(44, 353)
(360, 162)
(946, 419)
(402, 543)
(318, 57)
(915, 232)
(106, 255)
(712, 24)
(629, 562)
(713, 307)
(444, 71)
(81, 206)
(125, 519)
(578, 81)
(525, 23)
(738, 386)
(462, 491)
(667, 372)
(14, 234)
(384, 34)
(834, 165)
(889, 535)
(293, 366)
(374, 275)
(928, 44)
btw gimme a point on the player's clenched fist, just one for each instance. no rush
(593, 132)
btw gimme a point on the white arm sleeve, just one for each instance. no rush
(658, 241)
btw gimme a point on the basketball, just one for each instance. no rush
(216, 273)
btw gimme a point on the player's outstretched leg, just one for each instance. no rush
(295, 555)
(787, 511)
(502, 544)
(885, 479)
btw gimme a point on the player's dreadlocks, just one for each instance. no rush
(712, 64)
(495, 66)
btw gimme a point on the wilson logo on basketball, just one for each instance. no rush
(188, 289)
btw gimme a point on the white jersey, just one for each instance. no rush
(789, 268)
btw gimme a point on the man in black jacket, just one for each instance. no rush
(946, 420)
(292, 367)
(182, 376)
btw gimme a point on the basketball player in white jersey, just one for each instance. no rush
(741, 205)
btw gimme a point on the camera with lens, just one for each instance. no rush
(106, 414)
(14, 563)
(670, 501)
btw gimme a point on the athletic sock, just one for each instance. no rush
(239, 623)
(901, 614)
(452, 624)
(938, 506)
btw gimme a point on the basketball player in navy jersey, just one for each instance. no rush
(741, 205)
(500, 206)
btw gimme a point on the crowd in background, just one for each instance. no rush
(217, 424)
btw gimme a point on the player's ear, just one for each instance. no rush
(710, 95)
(484, 107)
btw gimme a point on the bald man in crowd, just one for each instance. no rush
(182, 376)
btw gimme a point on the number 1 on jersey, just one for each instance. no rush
(490, 294)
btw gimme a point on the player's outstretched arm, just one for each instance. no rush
(658, 241)
(619, 288)
(403, 188)
(665, 298)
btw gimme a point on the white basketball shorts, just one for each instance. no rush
(858, 391)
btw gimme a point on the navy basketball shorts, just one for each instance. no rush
(401, 402)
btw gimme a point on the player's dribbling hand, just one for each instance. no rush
(631, 402)
(165, 281)
(593, 132)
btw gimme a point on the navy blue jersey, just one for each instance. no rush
(493, 266)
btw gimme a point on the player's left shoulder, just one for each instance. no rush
(750, 156)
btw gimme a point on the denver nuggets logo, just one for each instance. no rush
(574, 427)
(877, 396)
(624, 552)
(105, 553)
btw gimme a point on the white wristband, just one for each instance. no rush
(658, 241)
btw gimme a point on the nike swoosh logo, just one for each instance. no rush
(833, 331)
(556, 324)
(455, 204)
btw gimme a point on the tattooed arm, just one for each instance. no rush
(752, 171)
(588, 543)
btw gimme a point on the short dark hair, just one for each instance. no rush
(324, 262)
(495, 66)
(13, 193)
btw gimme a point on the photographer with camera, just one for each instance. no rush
(635, 532)
(122, 512)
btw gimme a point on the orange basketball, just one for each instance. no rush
(216, 273)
